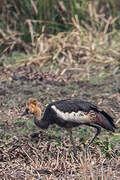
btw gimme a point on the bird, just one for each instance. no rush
(70, 113)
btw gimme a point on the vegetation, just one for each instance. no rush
(51, 50)
(22, 22)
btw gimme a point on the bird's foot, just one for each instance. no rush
(48, 146)
(35, 135)
(75, 152)
(85, 153)
(86, 150)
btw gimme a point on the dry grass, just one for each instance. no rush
(72, 59)
(82, 45)
(79, 50)
(23, 159)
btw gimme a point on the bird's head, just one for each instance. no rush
(32, 108)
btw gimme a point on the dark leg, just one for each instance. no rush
(72, 141)
(96, 134)
(35, 134)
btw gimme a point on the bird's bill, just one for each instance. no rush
(24, 113)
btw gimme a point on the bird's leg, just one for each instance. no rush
(96, 134)
(35, 134)
(72, 141)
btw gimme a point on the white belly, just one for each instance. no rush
(79, 117)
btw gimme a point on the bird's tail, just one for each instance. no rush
(105, 121)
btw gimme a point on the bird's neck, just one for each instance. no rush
(37, 113)
(40, 122)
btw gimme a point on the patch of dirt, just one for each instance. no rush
(23, 158)
(49, 155)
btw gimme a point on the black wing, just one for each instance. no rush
(74, 105)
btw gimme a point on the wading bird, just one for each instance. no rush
(71, 113)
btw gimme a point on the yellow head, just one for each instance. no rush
(32, 108)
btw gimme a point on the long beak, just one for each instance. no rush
(24, 113)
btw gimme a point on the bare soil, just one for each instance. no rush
(48, 155)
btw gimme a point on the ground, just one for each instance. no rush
(49, 155)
